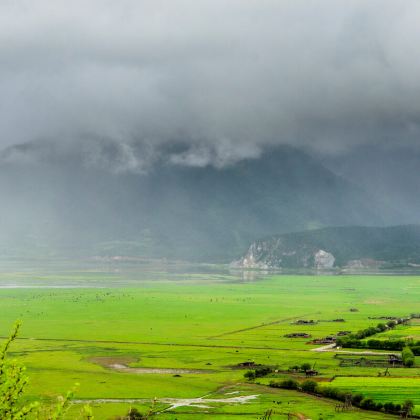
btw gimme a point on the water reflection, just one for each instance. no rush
(101, 272)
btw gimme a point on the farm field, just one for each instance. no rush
(127, 340)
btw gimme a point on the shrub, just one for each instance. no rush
(368, 404)
(408, 407)
(341, 395)
(356, 399)
(306, 366)
(416, 350)
(309, 386)
(289, 384)
(250, 375)
(389, 407)
(330, 392)
(12, 384)
(391, 324)
(409, 363)
(374, 344)
(258, 373)
(407, 357)
(134, 414)
(263, 371)
(274, 384)
(393, 344)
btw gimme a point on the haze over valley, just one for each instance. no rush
(70, 202)
(170, 141)
(209, 209)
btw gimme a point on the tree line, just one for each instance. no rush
(357, 340)
(357, 399)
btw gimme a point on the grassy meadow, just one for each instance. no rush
(183, 337)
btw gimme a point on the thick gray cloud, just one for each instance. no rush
(225, 77)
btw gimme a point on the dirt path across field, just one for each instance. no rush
(145, 343)
(200, 402)
(266, 324)
(328, 347)
(332, 348)
(124, 368)
(122, 364)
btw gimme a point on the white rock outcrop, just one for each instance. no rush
(323, 260)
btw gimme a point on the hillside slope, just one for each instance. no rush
(61, 205)
(337, 247)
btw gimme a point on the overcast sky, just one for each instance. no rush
(224, 76)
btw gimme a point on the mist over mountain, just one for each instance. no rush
(390, 175)
(62, 205)
(230, 79)
(189, 129)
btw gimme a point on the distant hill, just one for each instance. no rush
(60, 204)
(351, 246)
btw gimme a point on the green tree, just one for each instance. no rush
(289, 384)
(12, 384)
(134, 414)
(407, 408)
(250, 375)
(306, 366)
(407, 357)
(309, 386)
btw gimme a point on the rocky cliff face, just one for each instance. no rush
(323, 259)
(270, 254)
(350, 247)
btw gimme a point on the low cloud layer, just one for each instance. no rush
(222, 78)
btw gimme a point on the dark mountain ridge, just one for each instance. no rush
(62, 205)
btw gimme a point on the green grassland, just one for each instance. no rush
(206, 322)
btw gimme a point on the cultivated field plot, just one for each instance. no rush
(383, 389)
(412, 331)
(181, 341)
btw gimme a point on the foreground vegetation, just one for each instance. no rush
(183, 342)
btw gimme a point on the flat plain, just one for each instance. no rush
(179, 339)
